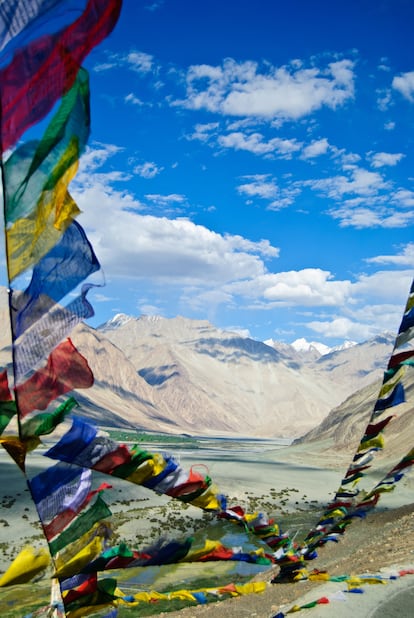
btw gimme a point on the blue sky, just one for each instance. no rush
(251, 164)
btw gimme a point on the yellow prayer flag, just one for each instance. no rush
(30, 238)
(28, 563)
(68, 568)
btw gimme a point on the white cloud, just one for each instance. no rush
(384, 99)
(359, 181)
(105, 66)
(380, 159)
(262, 186)
(373, 306)
(205, 270)
(288, 92)
(384, 285)
(140, 62)
(377, 215)
(405, 258)
(315, 148)
(389, 126)
(172, 198)
(95, 156)
(147, 170)
(310, 287)
(203, 132)
(404, 83)
(137, 61)
(131, 98)
(307, 287)
(256, 144)
(150, 309)
(403, 197)
(342, 328)
(259, 186)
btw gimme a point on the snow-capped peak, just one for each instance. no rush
(302, 345)
(117, 321)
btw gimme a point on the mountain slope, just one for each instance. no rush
(342, 429)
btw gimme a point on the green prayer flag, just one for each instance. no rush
(7, 411)
(81, 525)
(46, 422)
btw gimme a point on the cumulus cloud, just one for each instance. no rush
(403, 197)
(342, 328)
(264, 187)
(384, 99)
(315, 148)
(309, 287)
(130, 244)
(381, 159)
(377, 215)
(289, 92)
(405, 258)
(373, 306)
(365, 198)
(384, 285)
(259, 186)
(359, 182)
(171, 198)
(256, 143)
(404, 83)
(138, 61)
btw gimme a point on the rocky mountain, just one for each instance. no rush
(212, 381)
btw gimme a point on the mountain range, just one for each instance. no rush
(187, 376)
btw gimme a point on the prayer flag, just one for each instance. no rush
(66, 370)
(46, 68)
(22, 20)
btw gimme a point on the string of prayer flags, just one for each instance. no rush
(40, 67)
(352, 501)
(200, 596)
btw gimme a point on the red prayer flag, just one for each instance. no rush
(5, 394)
(66, 369)
(46, 68)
